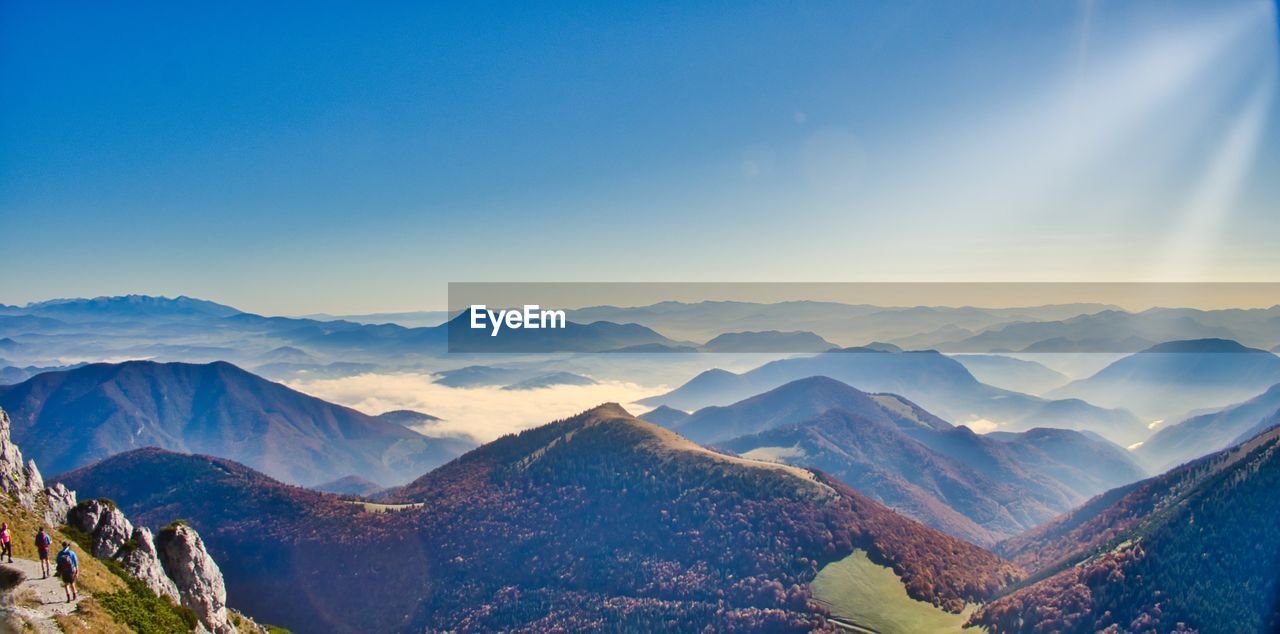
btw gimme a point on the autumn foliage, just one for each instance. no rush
(1194, 549)
(599, 521)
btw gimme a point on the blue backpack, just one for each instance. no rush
(64, 563)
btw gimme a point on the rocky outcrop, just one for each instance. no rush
(196, 575)
(23, 481)
(60, 501)
(142, 560)
(175, 564)
(35, 483)
(104, 522)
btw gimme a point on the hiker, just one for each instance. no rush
(68, 568)
(6, 549)
(42, 547)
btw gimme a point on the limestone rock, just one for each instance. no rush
(33, 475)
(106, 523)
(141, 559)
(23, 480)
(84, 517)
(17, 477)
(60, 502)
(196, 575)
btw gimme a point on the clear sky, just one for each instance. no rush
(351, 157)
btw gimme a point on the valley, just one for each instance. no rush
(865, 489)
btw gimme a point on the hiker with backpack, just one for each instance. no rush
(6, 549)
(42, 547)
(68, 569)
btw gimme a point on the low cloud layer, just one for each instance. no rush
(483, 413)
(981, 425)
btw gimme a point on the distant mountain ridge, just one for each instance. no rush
(596, 336)
(350, 485)
(1173, 378)
(1201, 346)
(665, 416)
(10, 375)
(768, 341)
(870, 457)
(550, 379)
(833, 321)
(125, 307)
(408, 319)
(332, 348)
(69, 419)
(936, 382)
(1207, 433)
(977, 488)
(1010, 373)
(796, 401)
(1265, 425)
(479, 376)
(1115, 330)
(406, 417)
(192, 330)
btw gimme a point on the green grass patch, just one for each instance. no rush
(377, 507)
(865, 596)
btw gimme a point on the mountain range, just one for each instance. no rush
(122, 308)
(768, 341)
(72, 418)
(1044, 329)
(1019, 375)
(807, 495)
(1169, 380)
(833, 321)
(1120, 331)
(935, 381)
(408, 319)
(597, 336)
(607, 521)
(1206, 433)
(599, 521)
(976, 487)
(58, 332)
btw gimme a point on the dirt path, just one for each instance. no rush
(37, 600)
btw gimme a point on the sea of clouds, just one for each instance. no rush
(481, 413)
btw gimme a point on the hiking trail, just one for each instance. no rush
(37, 600)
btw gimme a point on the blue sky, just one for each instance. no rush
(347, 157)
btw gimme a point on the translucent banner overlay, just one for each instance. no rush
(644, 318)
